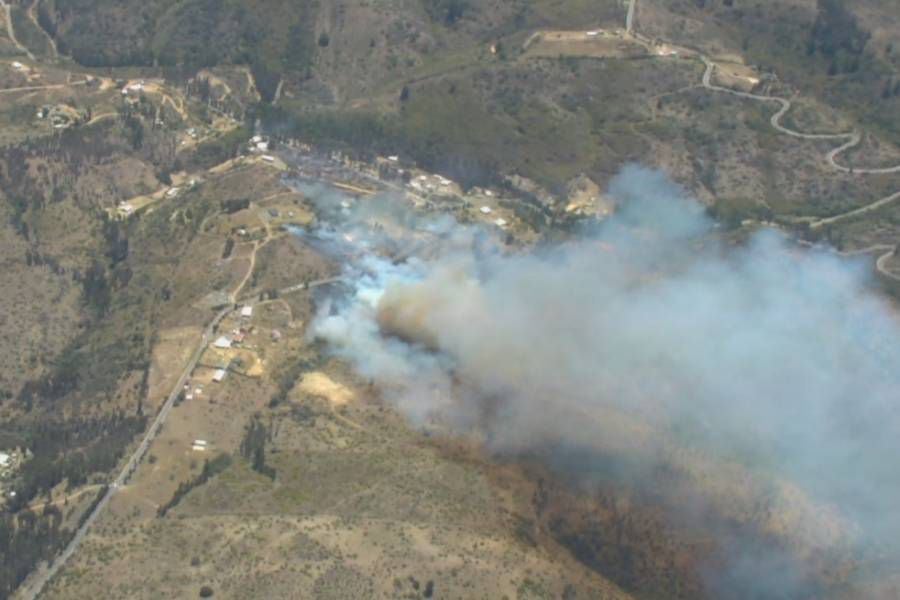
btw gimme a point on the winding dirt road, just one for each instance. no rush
(10, 31)
(852, 139)
(50, 40)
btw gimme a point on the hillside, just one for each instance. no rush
(139, 215)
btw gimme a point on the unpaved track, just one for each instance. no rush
(11, 33)
(33, 587)
(41, 505)
(34, 88)
(33, 18)
(887, 251)
(852, 138)
(629, 16)
(848, 140)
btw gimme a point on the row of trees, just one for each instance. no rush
(25, 539)
(253, 447)
(210, 469)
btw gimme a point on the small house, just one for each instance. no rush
(247, 311)
(222, 342)
(219, 375)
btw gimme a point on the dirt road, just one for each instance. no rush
(629, 16)
(65, 498)
(33, 18)
(11, 33)
(887, 252)
(34, 88)
(852, 138)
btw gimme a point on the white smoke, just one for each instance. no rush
(648, 335)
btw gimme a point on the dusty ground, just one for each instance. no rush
(361, 506)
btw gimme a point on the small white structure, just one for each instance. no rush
(247, 311)
(262, 146)
(485, 210)
(219, 375)
(172, 192)
(501, 223)
(488, 193)
(593, 33)
(393, 158)
(199, 445)
(268, 158)
(222, 342)
(133, 87)
(5, 459)
(256, 139)
(18, 66)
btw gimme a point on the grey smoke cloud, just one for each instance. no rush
(648, 338)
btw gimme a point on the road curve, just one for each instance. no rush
(10, 32)
(852, 138)
(887, 251)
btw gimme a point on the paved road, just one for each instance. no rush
(33, 587)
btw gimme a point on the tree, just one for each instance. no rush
(206, 591)
(324, 40)
(404, 93)
(837, 36)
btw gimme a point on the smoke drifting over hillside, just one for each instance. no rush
(649, 341)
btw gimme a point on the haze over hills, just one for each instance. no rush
(449, 298)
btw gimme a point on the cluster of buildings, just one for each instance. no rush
(235, 338)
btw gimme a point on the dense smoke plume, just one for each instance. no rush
(651, 340)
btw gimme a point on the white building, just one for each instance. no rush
(219, 375)
(222, 342)
(247, 311)
(485, 210)
(5, 459)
